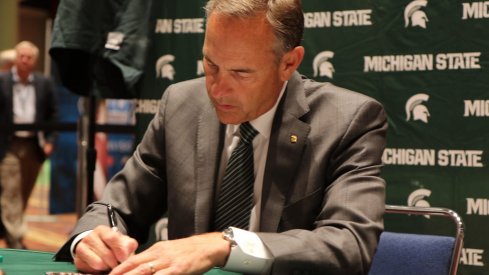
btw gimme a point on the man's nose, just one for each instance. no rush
(220, 85)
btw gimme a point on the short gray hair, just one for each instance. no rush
(285, 16)
(29, 45)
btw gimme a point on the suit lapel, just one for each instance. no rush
(286, 148)
(284, 158)
(209, 144)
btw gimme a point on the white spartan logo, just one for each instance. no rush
(415, 108)
(163, 67)
(417, 198)
(414, 15)
(322, 66)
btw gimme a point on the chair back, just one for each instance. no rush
(419, 254)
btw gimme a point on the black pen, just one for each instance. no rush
(112, 218)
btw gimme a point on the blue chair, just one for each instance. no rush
(419, 254)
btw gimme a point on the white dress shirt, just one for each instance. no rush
(263, 125)
(24, 102)
(239, 260)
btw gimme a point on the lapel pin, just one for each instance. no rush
(293, 138)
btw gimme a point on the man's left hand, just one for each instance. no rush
(192, 255)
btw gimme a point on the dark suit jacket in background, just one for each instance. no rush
(323, 194)
(46, 107)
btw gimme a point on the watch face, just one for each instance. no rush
(228, 235)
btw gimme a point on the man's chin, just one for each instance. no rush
(227, 119)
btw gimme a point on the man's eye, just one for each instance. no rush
(243, 74)
(211, 66)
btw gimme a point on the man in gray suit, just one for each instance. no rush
(318, 197)
(26, 97)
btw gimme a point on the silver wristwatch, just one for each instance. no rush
(228, 235)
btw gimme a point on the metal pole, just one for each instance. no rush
(87, 154)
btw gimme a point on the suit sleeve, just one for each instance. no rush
(137, 192)
(345, 232)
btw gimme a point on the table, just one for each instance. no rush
(24, 262)
(30, 262)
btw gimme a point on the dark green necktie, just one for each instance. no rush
(235, 199)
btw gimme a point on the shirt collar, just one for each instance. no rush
(16, 78)
(263, 123)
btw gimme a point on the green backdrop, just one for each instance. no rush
(425, 61)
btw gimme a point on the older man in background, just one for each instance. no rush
(26, 97)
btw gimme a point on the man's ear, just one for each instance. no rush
(290, 62)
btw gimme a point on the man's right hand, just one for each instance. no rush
(103, 249)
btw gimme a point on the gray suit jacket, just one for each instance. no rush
(323, 195)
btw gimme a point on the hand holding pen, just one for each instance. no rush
(92, 257)
(112, 218)
(111, 215)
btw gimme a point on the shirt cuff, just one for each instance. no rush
(76, 240)
(249, 255)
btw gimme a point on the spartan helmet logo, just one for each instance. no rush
(414, 106)
(322, 66)
(417, 198)
(163, 67)
(414, 14)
